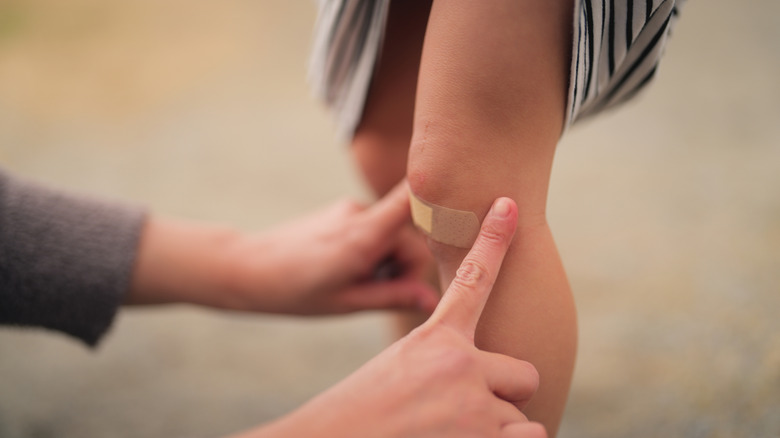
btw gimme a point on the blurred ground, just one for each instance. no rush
(667, 214)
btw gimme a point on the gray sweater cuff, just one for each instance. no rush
(65, 260)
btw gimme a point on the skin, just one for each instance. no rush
(483, 98)
(440, 380)
(380, 145)
(434, 382)
(321, 264)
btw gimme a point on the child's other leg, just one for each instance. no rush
(381, 142)
(489, 111)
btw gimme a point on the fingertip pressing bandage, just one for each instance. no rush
(445, 225)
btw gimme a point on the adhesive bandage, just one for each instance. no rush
(445, 225)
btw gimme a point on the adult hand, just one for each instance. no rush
(346, 258)
(434, 382)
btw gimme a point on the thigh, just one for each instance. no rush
(491, 102)
(381, 141)
(380, 144)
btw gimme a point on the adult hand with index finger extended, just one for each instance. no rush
(434, 382)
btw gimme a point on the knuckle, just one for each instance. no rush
(456, 362)
(493, 233)
(471, 274)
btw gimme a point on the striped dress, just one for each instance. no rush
(616, 48)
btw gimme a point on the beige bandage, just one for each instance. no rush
(445, 225)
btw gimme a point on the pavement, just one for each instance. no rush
(666, 212)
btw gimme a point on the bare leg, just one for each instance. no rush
(489, 112)
(490, 106)
(381, 142)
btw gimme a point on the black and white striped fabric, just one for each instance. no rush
(617, 45)
(347, 40)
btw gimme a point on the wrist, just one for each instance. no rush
(180, 262)
(245, 270)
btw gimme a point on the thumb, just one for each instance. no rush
(462, 303)
(390, 213)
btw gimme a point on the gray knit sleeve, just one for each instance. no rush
(65, 260)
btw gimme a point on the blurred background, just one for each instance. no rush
(667, 214)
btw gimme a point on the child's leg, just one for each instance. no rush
(381, 142)
(489, 111)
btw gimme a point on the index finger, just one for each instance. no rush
(465, 298)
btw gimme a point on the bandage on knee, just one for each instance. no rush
(445, 225)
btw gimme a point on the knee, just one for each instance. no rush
(443, 169)
(446, 173)
(437, 178)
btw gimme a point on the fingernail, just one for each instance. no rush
(501, 208)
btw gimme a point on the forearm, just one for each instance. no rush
(320, 264)
(183, 262)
